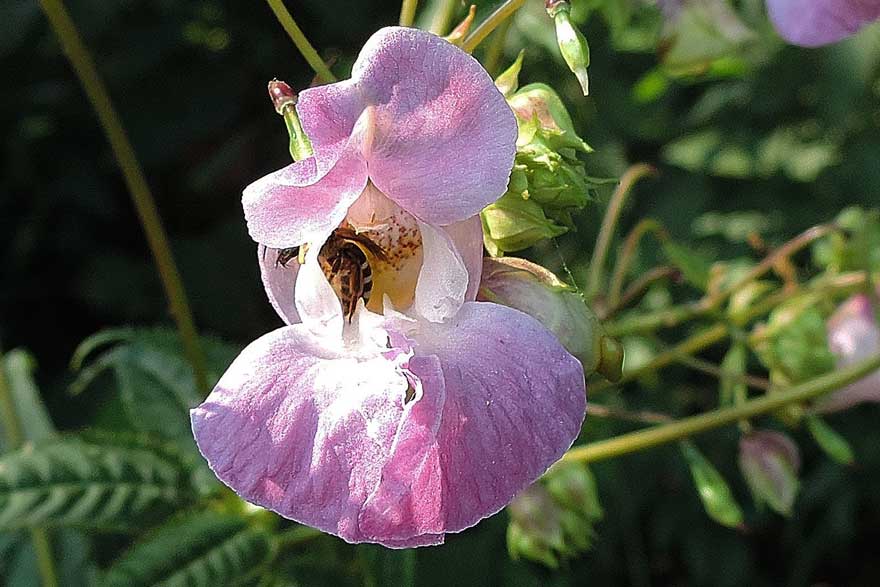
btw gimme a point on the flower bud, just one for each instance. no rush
(284, 99)
(572, 44)
(853, 336)
(530, 288)
(548, 182)
(535, 532)
(573, 487)
(514, 223)
(508, 82)
(770, 462)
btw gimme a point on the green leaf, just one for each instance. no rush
(73, 483)
(694, 266)
(204, 548)
(834, 445)
(18, 367)
(714, 491)
(156, 383)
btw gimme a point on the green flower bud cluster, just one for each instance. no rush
(553, 519)
(548, 182)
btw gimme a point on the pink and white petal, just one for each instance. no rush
(811, 23)
(279, 282)
(500, 402)
(443, 279)
(329, 114)
(316, 302)
(467, 236)
(301, 430)
(443, 137)
(853, 336)
(284, 208)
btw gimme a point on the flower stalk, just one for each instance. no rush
(302, 43)
(135, 181)
(408, 12)
(505, 11)
(687, 427)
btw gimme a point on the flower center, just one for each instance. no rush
(391, 243)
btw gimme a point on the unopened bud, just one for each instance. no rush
(531, 289)
(573, 487)
(770, 462)
(284, 100)
(456, 37)
(508, 82)
(572, 44)
(515, 222)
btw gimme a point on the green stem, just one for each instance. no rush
(694, 344)
(408, 12)
(627, 254)
(85, 69)
(687, 427)
(612, 215)
(442, 18)
(45, 560)
(503, 12)
(302, 43)
(496, 48)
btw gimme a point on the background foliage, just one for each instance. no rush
(772, 140)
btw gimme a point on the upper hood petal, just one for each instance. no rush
(812, 23)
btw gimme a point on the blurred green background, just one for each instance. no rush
(768, 137)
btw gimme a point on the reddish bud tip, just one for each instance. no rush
(281, 94)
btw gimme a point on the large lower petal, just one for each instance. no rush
(499, 401)
(302, 430)
(443, 137)
(812, 23)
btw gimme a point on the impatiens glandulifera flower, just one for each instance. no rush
(419, 411)
(770, 462)
(548, 182)
(820, 22)
(853, 335)
(530, 288)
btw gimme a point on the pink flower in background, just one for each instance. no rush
(812, 23)
(853, 335)
(420, 411)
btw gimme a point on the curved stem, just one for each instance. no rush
(612, 215)
(687, 427)
(408, 12)
(503, 12)
(627, 254)
(442, 18)
(85, 69)
(302, 43)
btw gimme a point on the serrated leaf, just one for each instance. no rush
(718, 500)
(205, 548)
(73, 483)
(832, 443)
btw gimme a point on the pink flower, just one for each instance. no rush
(420, 411)
(811, 23)
(853, 336)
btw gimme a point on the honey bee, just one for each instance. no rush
(343, 259)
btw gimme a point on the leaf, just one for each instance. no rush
(205, 548)
(733, 390)
(73, 483)
(18, 367)
(694, 266)
(834, 445)
(156, 383)
(714, 491)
